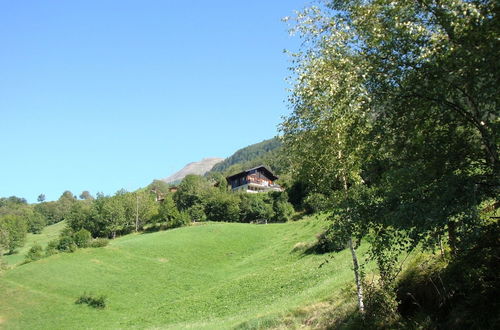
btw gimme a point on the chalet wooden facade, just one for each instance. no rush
(254, 180)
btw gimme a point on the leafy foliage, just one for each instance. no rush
(82, 238)
(396, 119)
(99, 242)
(98, 302)
(35, 253)
(13, 231)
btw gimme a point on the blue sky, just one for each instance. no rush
(103, 95)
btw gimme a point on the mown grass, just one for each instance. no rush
(48, 234)
(222, 275)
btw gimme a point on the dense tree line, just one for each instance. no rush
(395, 128)
(151, 208)
(197, 199)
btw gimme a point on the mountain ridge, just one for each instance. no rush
(199, 168)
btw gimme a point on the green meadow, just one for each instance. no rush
(216, 275)
(48, 234)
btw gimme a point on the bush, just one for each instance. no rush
(51, 248)
(36, 222)
(223, 207)
(181, 220)
(315, 202)
(13, 229)
(197, 212)
(329, 241)
(65, 244)
(95, 302)
(99, 242)
(381, 306)
(255, 207)
(283, 211)
(35, 253)
(82, 238)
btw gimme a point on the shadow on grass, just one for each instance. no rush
(339, 314)
(325, 243)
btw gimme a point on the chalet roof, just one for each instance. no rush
(264, 169)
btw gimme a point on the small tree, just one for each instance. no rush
(255, 207)
(35, 253)
(85, 195)
(82, 238)
(13, 231)
(223, 207)
(167, 211)
(191, 191)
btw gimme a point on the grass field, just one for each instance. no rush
(48, 234)
(219, 275)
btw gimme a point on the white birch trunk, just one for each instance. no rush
(357, 277)
(136, 213)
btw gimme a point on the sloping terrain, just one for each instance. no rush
(198, 168)
(220, 275)
(262, 153)
(48, 234)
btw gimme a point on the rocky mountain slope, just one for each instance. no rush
(198, 168)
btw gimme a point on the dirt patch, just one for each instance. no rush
(96, 261)
(2, 320)
(163, 260)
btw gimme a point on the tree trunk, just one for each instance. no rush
(452, 237)
(136, 213)
(357, 277)
(355, 264)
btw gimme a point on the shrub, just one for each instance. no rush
(381, 306)
(223, 207)
(255, 207)
(315, 202)
(283, 211)
(82, 238)
(36, 222)
(329, 241)
(98, 302)
(99, 242)
(182, 219)
(197, 212)
(35, 253)
(65, 243)
(51, 248)
(13, 231)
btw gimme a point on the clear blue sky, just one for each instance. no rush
(102, 95)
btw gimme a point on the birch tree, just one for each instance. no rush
(325, 134)
(412, 84)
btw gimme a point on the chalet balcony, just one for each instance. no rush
(260, 187)
(258, 179)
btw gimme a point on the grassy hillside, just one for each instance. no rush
(48, 234)
(220, 275)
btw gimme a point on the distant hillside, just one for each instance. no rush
(198, 168)
(262, 153)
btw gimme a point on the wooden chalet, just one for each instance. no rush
(254, 180)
